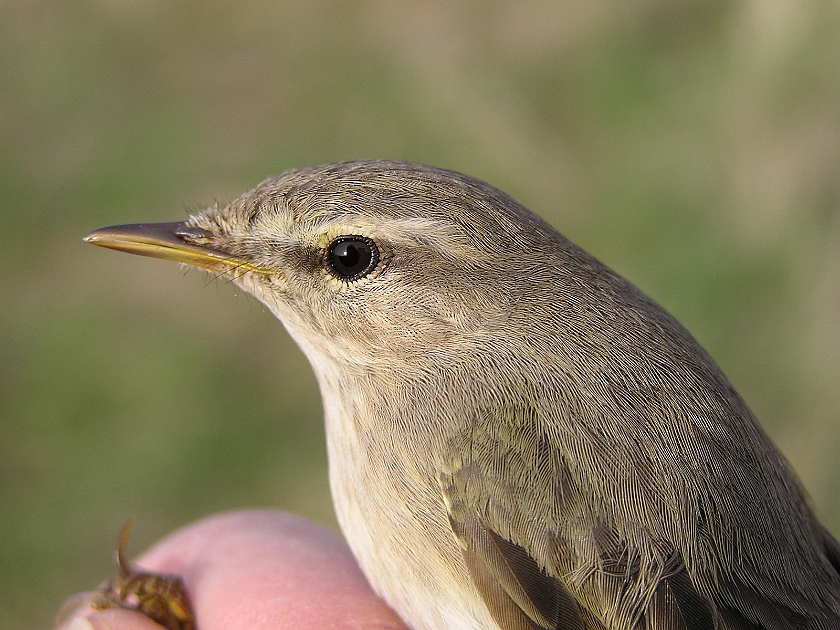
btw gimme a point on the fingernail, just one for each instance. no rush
(80, 623)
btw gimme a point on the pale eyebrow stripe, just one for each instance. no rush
(450, 239)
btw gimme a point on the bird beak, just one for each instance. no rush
(170, 241)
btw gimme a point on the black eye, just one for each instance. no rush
(352, 257)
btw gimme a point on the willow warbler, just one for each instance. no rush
(518, 437)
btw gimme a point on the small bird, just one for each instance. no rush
(518, 437)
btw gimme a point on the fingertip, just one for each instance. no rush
(79, 623)
(269, 569)
(116, 619)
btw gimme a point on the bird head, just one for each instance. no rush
(371, 263)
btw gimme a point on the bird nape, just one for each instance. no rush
(518, 437)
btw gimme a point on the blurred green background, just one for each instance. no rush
(693, 146)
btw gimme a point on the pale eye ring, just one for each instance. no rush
(351, 257)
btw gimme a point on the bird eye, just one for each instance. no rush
(352, 257)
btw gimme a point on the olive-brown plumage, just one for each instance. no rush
(518, 437)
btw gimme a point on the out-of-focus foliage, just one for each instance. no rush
(694, 146)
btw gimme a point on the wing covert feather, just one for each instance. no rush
(542, 558)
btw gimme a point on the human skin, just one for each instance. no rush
(258, 570)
